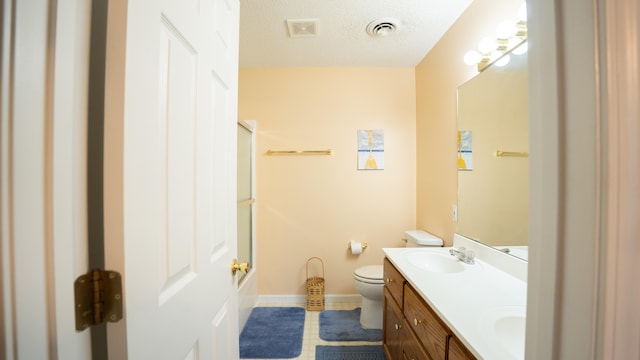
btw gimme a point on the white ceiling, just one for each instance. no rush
(341, 38)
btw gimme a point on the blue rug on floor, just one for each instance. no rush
(273, 333)
(344, 325)
(366, 352)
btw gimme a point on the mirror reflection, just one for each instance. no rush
(493, 174)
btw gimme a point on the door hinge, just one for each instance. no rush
(98, 298)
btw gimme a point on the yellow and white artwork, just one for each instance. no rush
(370, 149)
(465, 153)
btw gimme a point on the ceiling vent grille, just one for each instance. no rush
(382, 27)
(302, 27)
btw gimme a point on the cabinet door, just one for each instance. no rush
(411, 348)
(394, 281)
(457, 350)
(393, 328)
(428, 328)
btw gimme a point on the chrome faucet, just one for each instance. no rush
(464, 255)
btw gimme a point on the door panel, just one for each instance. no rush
(171, 181)
(177, 118)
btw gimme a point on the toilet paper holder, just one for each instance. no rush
(364, 246)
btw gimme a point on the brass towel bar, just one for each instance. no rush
(500, 153)
(247, 202)
(299, 152)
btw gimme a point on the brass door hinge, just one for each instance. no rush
(98, 298)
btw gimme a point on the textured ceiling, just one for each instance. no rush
(341, 38)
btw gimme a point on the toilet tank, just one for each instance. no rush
(415, 238)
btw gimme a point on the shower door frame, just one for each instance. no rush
(248, 283)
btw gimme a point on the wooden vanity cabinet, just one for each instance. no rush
(393, 328)
(411, 329)
(457, 350)
(425, 324)
(393, 281)
(411, 348)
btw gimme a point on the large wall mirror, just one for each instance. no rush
(493, 182)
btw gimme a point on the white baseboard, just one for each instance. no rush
(302, 299)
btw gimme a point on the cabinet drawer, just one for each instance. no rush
(457, 350)
(393, 281)
(431, 332)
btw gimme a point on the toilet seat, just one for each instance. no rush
(372, 274)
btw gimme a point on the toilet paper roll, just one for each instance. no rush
(356, 248)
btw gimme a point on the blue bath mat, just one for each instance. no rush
(366, 352)
(344, 325)
(273, 333)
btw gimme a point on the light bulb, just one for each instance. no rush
(472, 57)
(506, 29)
(503, 61)
(521, 49)
(487, 44)
(522, 12)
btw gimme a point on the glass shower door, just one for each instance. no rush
(246, 199)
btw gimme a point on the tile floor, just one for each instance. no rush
(311, 336)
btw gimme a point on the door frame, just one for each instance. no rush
(43, 242)
(583, 204)
(619, 321)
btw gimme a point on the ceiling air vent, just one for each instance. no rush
(382, 27)
(302, 27)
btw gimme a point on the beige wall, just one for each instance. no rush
(313, 205)
(437, 78)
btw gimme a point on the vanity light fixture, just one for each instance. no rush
(510, 36)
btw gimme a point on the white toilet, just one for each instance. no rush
(370, 283)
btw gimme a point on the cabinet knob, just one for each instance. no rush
(398, 326)
(417, 322)
(389, 280)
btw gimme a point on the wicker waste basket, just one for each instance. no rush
(315, 289)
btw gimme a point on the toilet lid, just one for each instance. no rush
(371, 273)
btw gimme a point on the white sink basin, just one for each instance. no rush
(435, 262)
(506, 326)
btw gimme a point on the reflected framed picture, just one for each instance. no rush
(465, 152)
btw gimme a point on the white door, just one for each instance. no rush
(170, 177)
(43, 237)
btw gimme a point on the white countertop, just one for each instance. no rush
(481, 305)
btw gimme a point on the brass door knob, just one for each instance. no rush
(235, 266)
